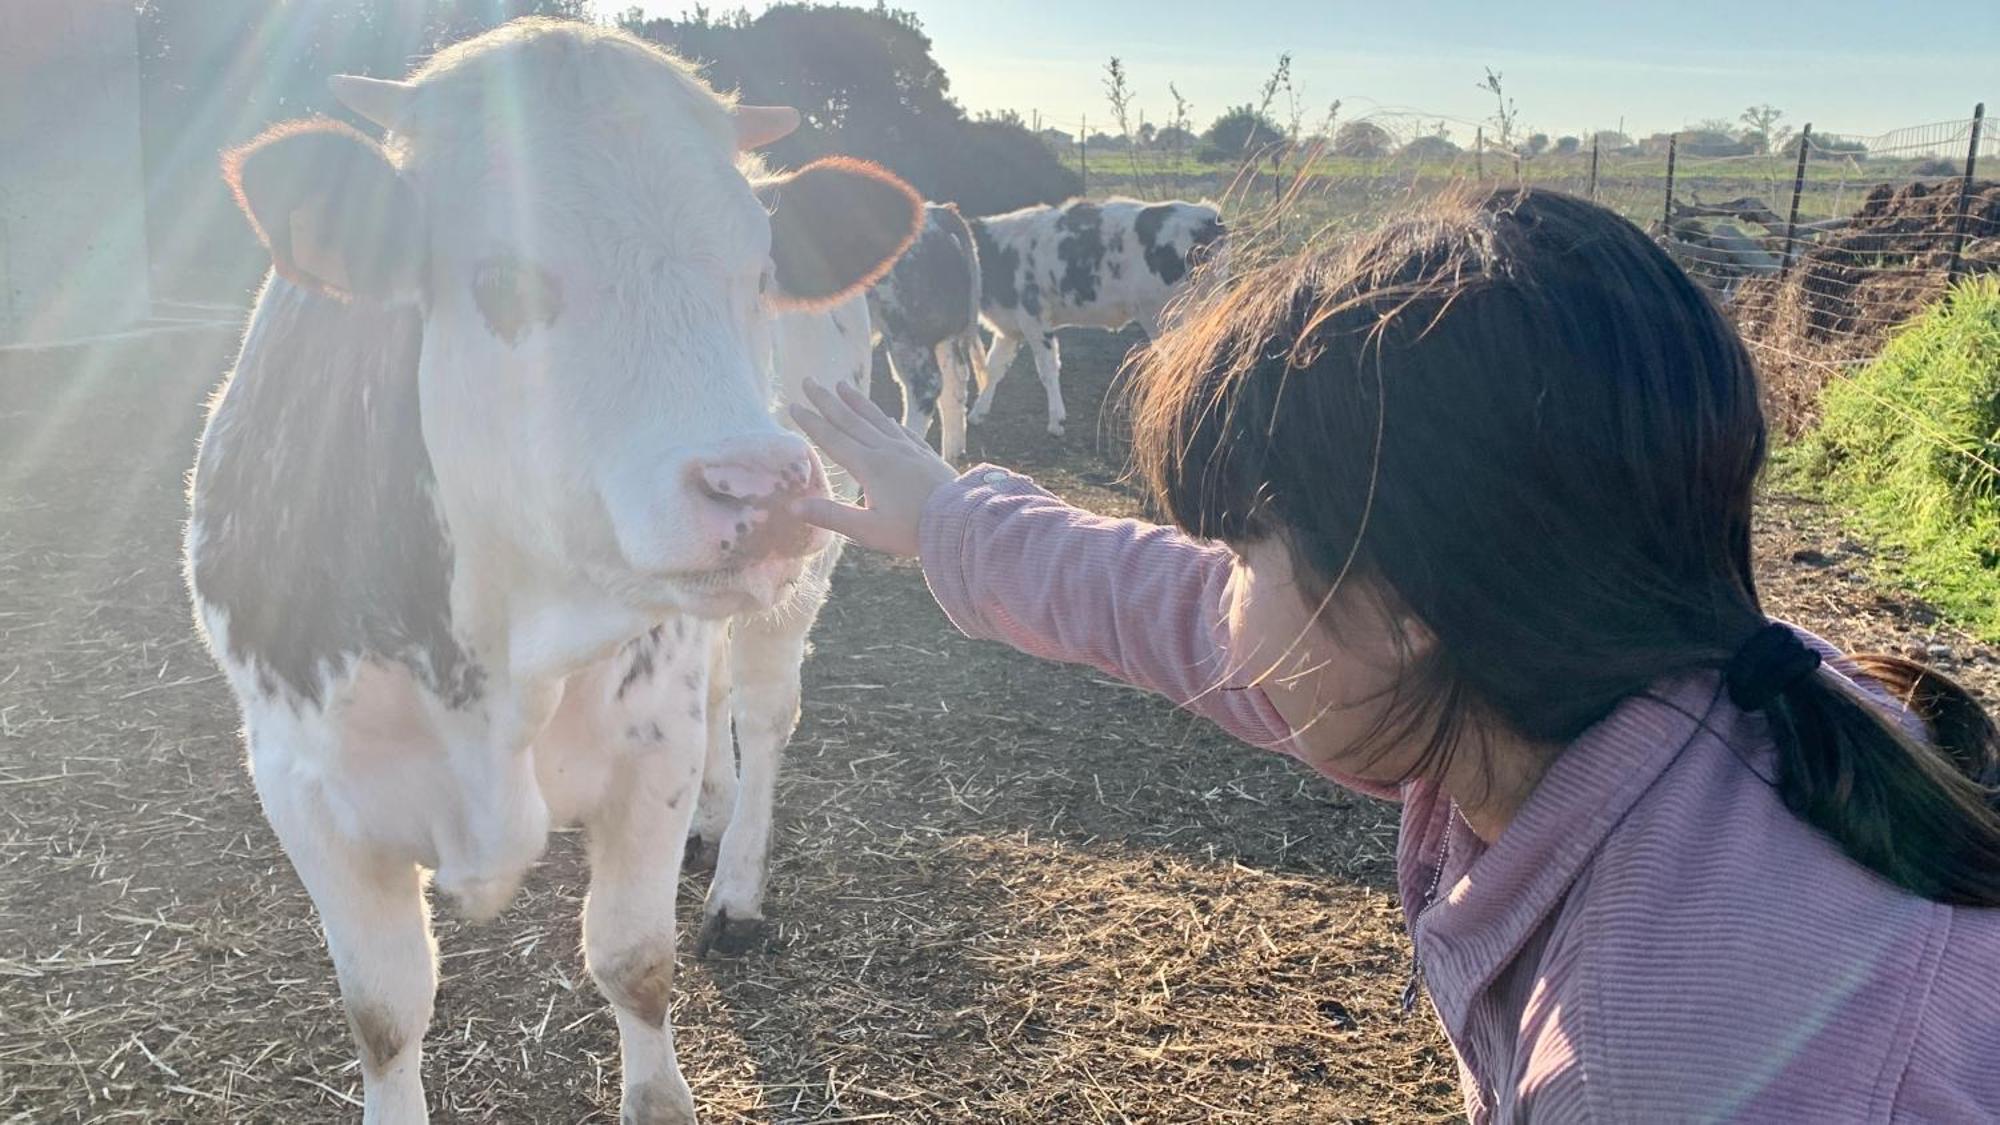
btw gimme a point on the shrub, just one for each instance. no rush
(1240, 133)
(1911, 446)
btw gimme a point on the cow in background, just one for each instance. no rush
(495, 467)
(1083, 264)
(927, 312)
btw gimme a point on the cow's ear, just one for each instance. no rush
(334, 212)
(837, 225)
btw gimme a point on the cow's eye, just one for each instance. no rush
(515, 297)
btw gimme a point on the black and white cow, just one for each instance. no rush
(927, 311)
(1084, 264)
(494, 471)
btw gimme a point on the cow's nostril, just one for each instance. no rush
(718, 487)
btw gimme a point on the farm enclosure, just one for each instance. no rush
(1002, 890)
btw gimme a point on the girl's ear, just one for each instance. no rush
(1415, 636)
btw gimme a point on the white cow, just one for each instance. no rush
(496, 464)
(754, 670)
(1084, 264)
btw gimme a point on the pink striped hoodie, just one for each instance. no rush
(1653, 938)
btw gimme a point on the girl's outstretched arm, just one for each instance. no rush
(1007, 561)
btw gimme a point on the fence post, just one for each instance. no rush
(1479, 152)
(1667, 213)
(1593, 169)
(1083, 153)
(1965, 192)
(1798, 188)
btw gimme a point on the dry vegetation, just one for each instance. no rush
(1849, 291)
(1005, 891)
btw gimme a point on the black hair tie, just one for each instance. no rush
(1767, 665)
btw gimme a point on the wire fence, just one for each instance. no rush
(1819, 244)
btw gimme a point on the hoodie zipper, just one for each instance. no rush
(1413, 988)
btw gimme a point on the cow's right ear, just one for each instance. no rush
(334, 212)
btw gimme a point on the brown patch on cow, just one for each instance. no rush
(515, 297)
(641, 981)
(376, 1034)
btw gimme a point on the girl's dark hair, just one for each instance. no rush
(1528, 429)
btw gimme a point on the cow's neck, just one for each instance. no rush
(319, 533)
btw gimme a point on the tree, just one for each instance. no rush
(1504, 113)
(1610, 140)
(1179, 133)
(1535, 145)
(1364, 139)
(1827, 147)
(1436, 146)
(1568, 146)
(867, 85)
(1148, 134)
(1706, 140)
(1119, 93)
(1762, 130)
(1240, 131)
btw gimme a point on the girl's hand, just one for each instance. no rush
(896, 470)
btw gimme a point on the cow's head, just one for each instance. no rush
(566, 207)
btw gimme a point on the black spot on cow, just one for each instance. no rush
(1081, 251)
(1161, 257)
(998, 268)
(927, 297)
(639, 654)
(318, 533)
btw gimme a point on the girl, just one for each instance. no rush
(1464, 519)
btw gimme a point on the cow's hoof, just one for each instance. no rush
(729, 937)
(1055, 429)
(661, 1103)
(700, 855)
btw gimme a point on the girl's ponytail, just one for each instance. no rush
(1924, 815)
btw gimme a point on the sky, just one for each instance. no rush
(1569, 65)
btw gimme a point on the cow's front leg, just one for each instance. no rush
(718, 772)
(636, 837)
(998, 359)
(1048, 364)
(765, 653)
(955, 369)
(377, 930)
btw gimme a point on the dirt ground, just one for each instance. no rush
(1003, 891)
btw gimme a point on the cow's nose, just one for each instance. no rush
(744, 491)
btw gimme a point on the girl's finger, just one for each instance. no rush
(841, 519)
(865, 409)
(833, 441)
(842, 416)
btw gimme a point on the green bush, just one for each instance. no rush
(1911, 446)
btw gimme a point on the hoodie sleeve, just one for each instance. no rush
(1009, 562)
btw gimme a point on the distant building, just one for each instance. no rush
(73, 258)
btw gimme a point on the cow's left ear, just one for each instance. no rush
(333, 210)
(837, 225)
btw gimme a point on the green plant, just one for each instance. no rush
(1910, 445)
